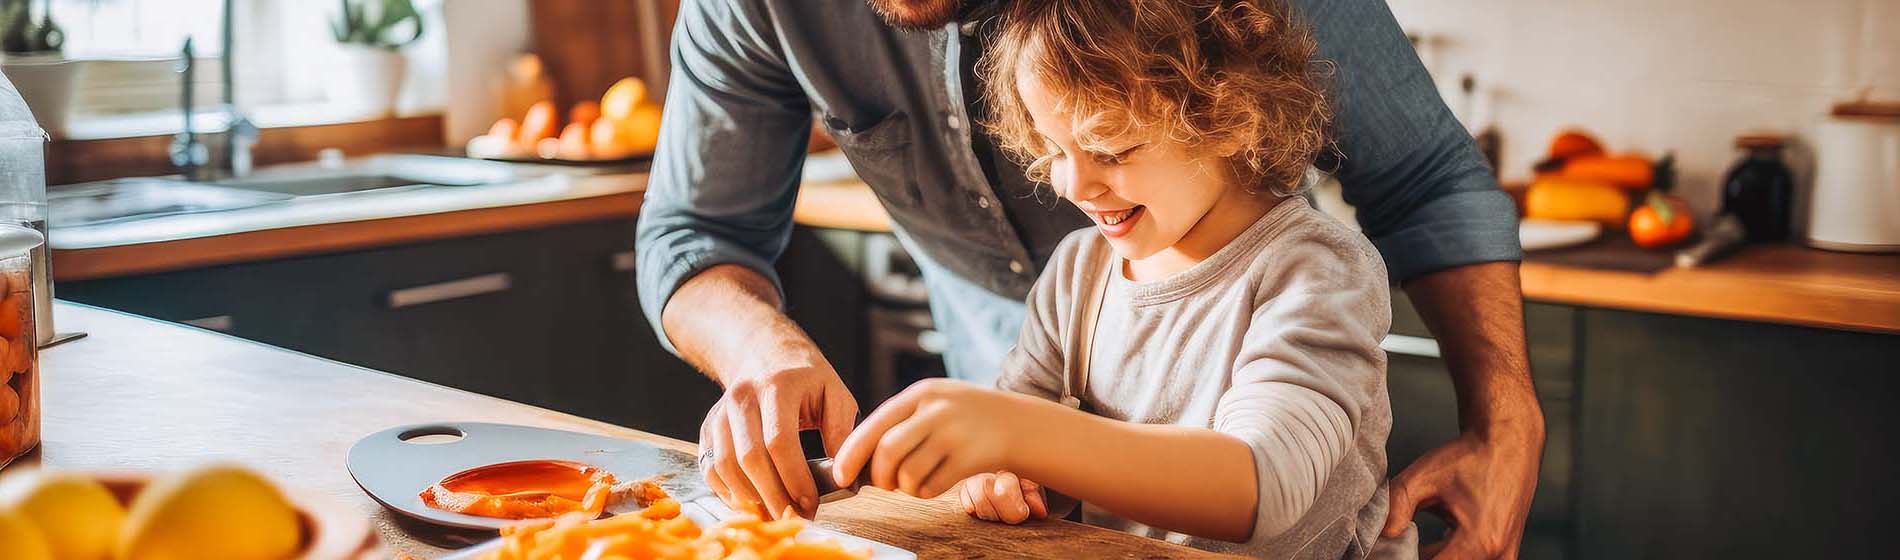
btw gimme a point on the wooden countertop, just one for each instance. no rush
(146, 395)
(1776, 284)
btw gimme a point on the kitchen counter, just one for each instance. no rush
(1777, 284)
(146, 395)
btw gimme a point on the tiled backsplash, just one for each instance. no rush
(1656, 75)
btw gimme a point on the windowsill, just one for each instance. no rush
(166, 123)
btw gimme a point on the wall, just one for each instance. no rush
(1656, 75)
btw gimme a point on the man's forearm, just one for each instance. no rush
(1476, 312)
(726, 321)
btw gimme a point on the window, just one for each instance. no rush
(284, 50)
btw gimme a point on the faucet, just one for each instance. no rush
(189, 154)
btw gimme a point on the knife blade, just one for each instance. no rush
(828, 489)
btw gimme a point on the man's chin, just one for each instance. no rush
(916, 15)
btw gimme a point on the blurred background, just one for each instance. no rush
(447, 190)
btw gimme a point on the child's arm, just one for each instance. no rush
(937, 433)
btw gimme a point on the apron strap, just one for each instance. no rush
(1075, 378)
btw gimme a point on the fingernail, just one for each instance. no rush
(808, 503)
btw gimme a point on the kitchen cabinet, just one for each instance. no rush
(546, 316)
(1679, 437)
(1425, 415)
(1704, 438)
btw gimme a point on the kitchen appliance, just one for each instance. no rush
(1855, 205)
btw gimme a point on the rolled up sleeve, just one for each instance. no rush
(1424, 194)
(725, 176)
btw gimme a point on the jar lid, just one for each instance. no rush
(1758, 140)
(18, 240)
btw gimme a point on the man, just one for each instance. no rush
(891, 81)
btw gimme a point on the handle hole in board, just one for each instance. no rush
(431, 435)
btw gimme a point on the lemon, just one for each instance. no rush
(640, 131)
(20, 539)
(216, 511)
(79, 516)
(622, 98)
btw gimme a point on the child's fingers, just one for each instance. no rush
(1038, 503)
(977, 489)
(1006, 494)
(855, 454)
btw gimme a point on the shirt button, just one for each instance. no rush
(954, 121)
(1016, 267)
(983, 202)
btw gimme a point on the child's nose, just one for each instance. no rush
(1084, 181)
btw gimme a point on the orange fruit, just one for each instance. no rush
(641, 130)
(540, 123)
(1573, 143)
(621, 99)
(605, 142)
(584, 113)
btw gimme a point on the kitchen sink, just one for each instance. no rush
(120, 200)
(373, 173)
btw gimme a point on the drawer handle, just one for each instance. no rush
(220, 323)
(450, 290)
(623, 261)
(1410, 346)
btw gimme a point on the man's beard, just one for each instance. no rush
(917, 15)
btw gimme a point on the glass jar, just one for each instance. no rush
(1759, 190)
(19, 346)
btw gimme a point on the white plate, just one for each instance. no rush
(707, 511)
(1552, 234)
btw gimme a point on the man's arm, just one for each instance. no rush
(1486, 477)
(1430, 203)
(717, 212)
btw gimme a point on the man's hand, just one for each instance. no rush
(1481, 483)
(932, 436)
(748, 445)
(726, 322)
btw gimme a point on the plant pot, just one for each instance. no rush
(46, 82)
(367, 79)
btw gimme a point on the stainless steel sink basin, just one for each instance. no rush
(373, 173)
(121, 200)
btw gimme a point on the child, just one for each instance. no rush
(1220, 336)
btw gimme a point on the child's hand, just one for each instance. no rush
(937, 433)
(1003, 497)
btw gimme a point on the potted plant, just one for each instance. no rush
(371, 34)
(33, 62)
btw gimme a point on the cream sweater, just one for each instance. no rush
(1273, 340)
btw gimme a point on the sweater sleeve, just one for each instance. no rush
(1034, 367)
(1309, 360)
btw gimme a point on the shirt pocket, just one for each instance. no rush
(882, 156)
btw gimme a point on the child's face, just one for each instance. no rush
(1145, 197)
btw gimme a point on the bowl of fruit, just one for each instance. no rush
(623, 126)
(213, 511)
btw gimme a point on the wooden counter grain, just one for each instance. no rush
(145, 395)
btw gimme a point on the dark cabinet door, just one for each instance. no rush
(1425, 414)
(608, 362)
(463, 313)
(1724, 439)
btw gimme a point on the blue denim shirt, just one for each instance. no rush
(748, 76)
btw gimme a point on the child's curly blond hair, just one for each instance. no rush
(1227, 75)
